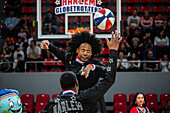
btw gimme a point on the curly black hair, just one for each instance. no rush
(85, 37)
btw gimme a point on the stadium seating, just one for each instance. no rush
(62, 29)
(131, 99)
(163, 98)
(43, 10)
(40, 106)
(54, 96)
(48, 70)
(131, 1)
(157, 1)
(120, 111)
(42, 98)
(143, 9)
(153, 105)
(61, 70)
(95, 30)
(106, 1)
(30, 106)
(105, 51)
(50, 9)
(120, 106)
(115, 9)
(27, 10)
(82, 19)
(144, 1)
(52, 1)
(151, 97)
(122, 18)
(119, 97)
(48, 63)
(59, 63)
(115, 1)
(32, 71)
(157, 9)
(167, 10)
(27, 98)
(76, 19)
(28, 1)
(167, 1)
(106, 31)
(130, 9)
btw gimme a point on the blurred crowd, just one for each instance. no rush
(146, 39)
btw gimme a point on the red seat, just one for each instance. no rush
(52, 1)
(12, 40)
(27, 98)
(151, 97)
(131, 99)
(130, 9)
(157, 1)
(82, 19)
(43, 98)
(120, 97)
(157, 9)
(115, 1)
(131, 1)
(42, 10)
(105, 51)
(167, 1)
(59, 63)
(76, 19)
(106, 31)
(95, 30)
(62, 30)
(40, 106)
(43, 1)
(50, 9)
(28, 1)
(120, 106)
(120, 111)
(46, 63)
(62, 19)
(54, 96)
(153, 105)
(163, 98)
(115, 9)
(106, 1)
(167, 10)
(63, 42)
(30, 106)
(144, 1)
(143, 9)
(88, 19)
(48, 70)
(104, 60)
(27, 10)
(115, 28)
(32, 71)
(122, 18)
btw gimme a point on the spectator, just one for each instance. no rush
(11, 23)
(18, 51)
(132, 22)
(134, 66)
(34, 54)
(20, 43)
(123, 49)
(33, 38)
(152, 110)
(19, 64)
(139, 104)
(146, 23)
(168, 27)
(122, 63)
(167, 108)
(13, 5)
(22, 34)
(149, 47)
(165, 64)
(161, 43)
(151, 66)
(137, 34)
(24, 109)
(135, 48)
(1, 44)
(159, 22)
(25, 23)
(49, 30)
(7, 51)
(50, 20)
(4, 63)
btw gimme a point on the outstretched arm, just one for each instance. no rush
(60, 54)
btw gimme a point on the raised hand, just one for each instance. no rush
(44, 44)
(114, 42)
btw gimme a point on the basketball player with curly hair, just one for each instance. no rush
(82, 48)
